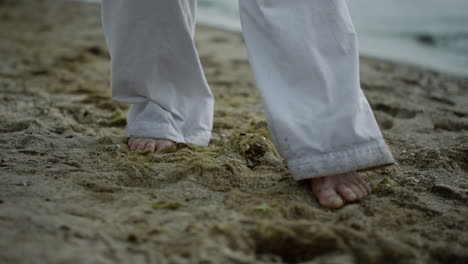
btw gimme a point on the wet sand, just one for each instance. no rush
(72, 192)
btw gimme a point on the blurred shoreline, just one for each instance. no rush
(432, 34)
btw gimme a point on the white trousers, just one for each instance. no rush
(305, 61)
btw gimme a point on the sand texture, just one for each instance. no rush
(72, 192)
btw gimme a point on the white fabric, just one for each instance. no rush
(305, 60)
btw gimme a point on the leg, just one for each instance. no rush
(305, 59)
(156, 69)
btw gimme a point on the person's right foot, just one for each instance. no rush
(158, 145)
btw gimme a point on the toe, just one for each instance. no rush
(357, 191)
(367, 186)
(318, 184)
(363, 186)
(150, 146)
(163, 146)
(363, 190)
(141, 145)
(329, 199)
(332, 201)
(347, 193)
(134, 144)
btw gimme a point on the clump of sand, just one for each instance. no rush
(71, 191)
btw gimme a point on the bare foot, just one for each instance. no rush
(335, 191)
(158, 145)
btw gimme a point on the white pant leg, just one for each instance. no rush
(305, 60)
(155, 68)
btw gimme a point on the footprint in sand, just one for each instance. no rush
(14, 126)
(442, 100)
(384, 120)
(451, 124)
(394, 111)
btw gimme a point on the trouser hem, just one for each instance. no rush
(366, 156)
(150, 130)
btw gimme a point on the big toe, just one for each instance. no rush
(330, 199)
(133, 143)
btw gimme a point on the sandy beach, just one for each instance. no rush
(72, 192)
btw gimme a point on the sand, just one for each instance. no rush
(72, 192)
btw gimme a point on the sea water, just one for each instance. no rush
(428, 33)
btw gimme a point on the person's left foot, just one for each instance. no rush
(335, 191)
(158, 145)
